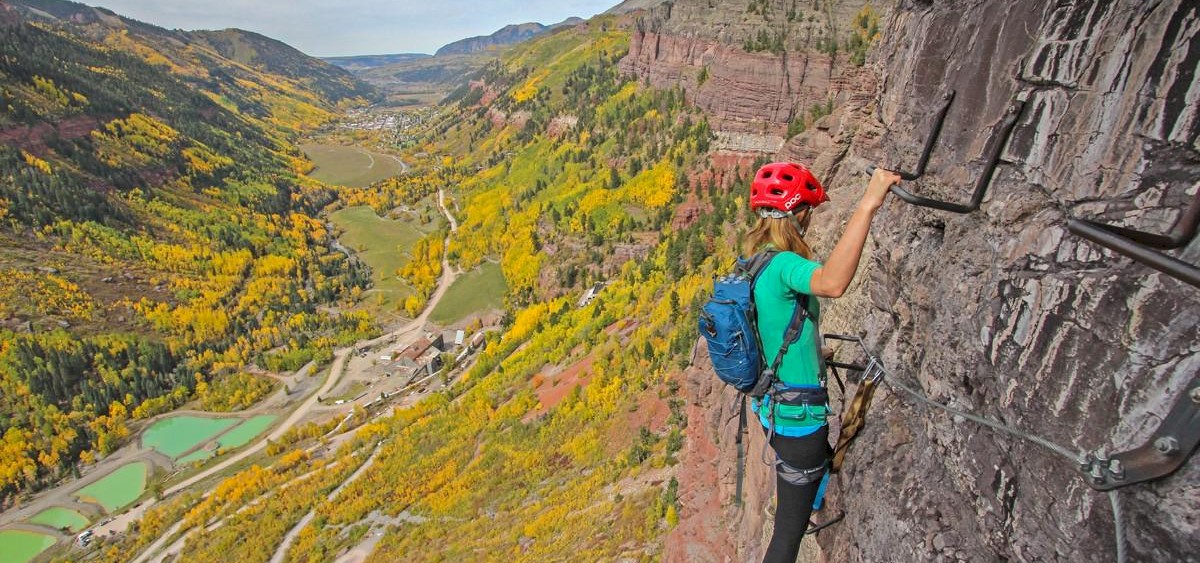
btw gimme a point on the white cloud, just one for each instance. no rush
(325, 28)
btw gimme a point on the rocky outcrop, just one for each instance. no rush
(700, 47)
(8, 16)
(1000, 311)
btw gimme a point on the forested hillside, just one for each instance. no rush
(557, 443)
(156, 235)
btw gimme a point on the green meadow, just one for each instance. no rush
(385, 245)
(354, 167)
(479, 290)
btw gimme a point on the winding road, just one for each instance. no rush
(410, 330)
(339, 363)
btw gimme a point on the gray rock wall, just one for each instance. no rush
(1002, 311)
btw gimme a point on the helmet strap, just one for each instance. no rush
(796, 222)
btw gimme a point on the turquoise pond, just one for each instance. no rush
(59, 518)
(117, 489)
(177, 434)
(232, 438)
(246, 431)
(19, 546)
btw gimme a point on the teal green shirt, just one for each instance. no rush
(778, 288)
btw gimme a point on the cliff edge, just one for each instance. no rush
(1000, 311)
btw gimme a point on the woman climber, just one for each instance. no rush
(793, 413)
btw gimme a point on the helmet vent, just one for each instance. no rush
(766, 174)
(787, 177)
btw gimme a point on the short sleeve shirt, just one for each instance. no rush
(784, 281)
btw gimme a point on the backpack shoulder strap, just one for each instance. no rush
(754, 265)
(792, 334)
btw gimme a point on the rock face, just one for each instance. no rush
(1001, 311)
(699, 46)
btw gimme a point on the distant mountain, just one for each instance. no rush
(247, 48)
(506, 35)
(277, 57)
(366, 62)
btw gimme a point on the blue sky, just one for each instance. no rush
(368, 27)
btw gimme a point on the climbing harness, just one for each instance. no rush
(764, 382)
(799, 476)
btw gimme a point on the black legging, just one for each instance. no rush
(793, 503)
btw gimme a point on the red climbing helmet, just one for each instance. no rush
(784, 186)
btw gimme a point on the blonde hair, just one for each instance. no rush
(781, 233)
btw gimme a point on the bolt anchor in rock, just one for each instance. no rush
(1167, 445)
(1116, 469)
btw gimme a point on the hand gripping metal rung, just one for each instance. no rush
(1141, 246)
(935, 131)
(985, 179)
(1162, 454)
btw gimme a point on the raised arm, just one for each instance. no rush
(832, 279)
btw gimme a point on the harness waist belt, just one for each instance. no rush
(798, 476)
(798, 396)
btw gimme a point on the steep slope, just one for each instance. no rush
(158, 238)
(507, 35)
(633, 5)
(591, 430)
(757, 69)
(559, 439)
(215, 61)
(278, 58)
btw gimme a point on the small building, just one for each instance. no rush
(591, 293)
(412, 355)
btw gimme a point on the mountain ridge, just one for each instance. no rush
(507, 35)
(241, 46)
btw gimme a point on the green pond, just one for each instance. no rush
(177, 434)
(246, 431)
(118, 489)
(58, 517)
(17, 546)
(198, 455)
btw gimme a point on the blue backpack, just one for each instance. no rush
(728, 323)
